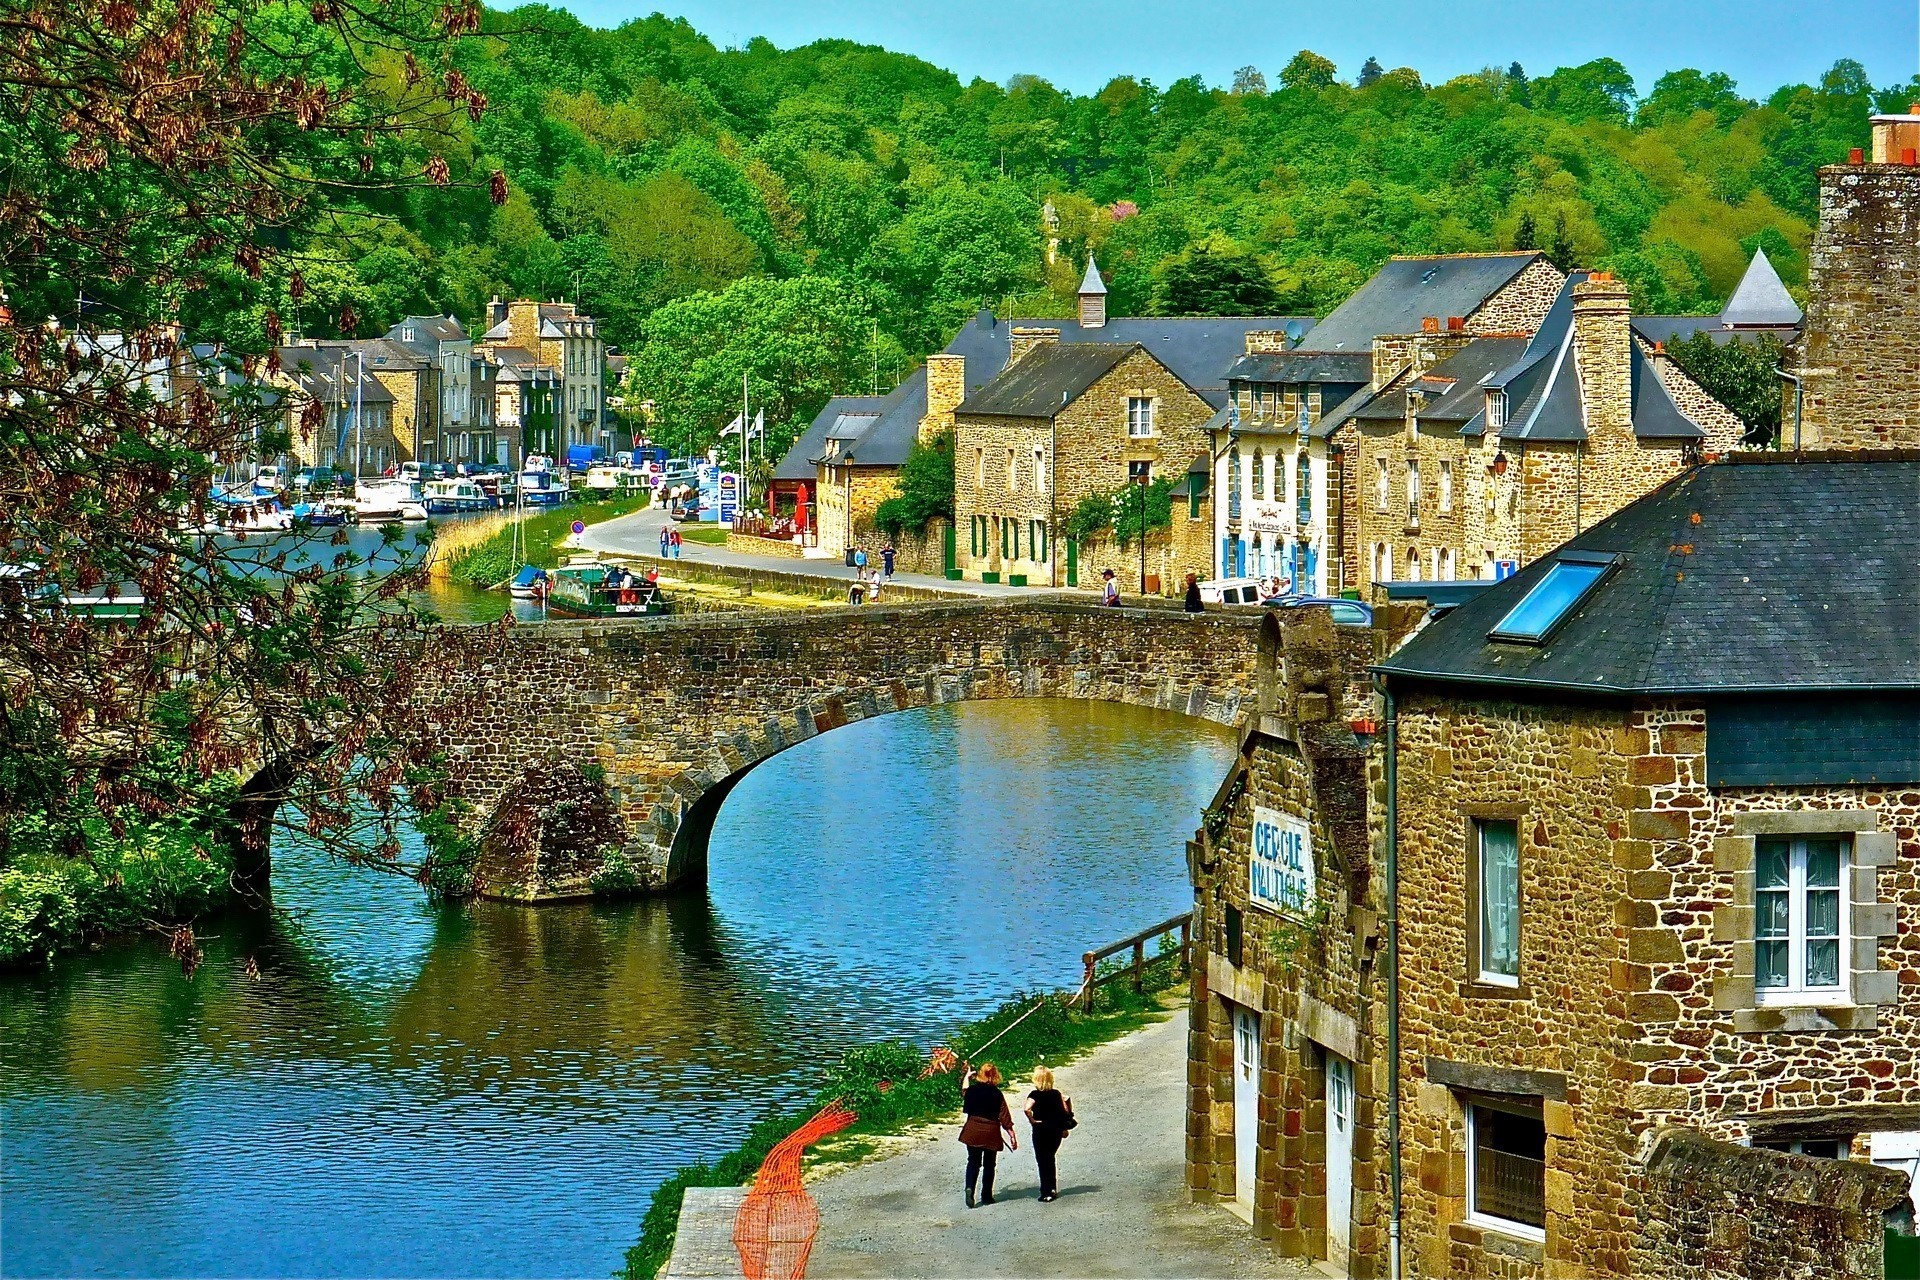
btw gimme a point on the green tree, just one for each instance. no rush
(1678, 95)
(926, 488)
(1597, 90)
(1370, 72)
(1742, 374)
(1214, 279)
(1308, 70)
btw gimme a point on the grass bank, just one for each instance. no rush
(882, 1084)
(489, 561)
(142, 879)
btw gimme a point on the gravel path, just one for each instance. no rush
(1122, 1209)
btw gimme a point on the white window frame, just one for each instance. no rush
(1383, 487)
(1139, 417)
(1493, 1222)
(1797, 991)
(1496, 410)
(1483, 975)
(1413, 491)
(1446, 487)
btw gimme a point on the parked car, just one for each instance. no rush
(1345, 613)
(689, 509)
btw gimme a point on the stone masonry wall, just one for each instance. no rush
(671, 710)
(1522, 304)
(1855, 354)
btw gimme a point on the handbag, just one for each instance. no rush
(1072, 1121)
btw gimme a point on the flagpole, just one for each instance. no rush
(745, 441)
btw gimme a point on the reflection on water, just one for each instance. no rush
(411, 1090)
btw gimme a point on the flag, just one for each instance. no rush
(759, 424)
(732, 428)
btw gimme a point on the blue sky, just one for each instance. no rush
(1080, 44)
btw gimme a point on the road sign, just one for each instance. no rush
(579, 526)
(729, 498)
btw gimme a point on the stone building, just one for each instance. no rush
(558, 336)
(1197, 349)
(1484, 453)
(1582, 950)
(355, 432)
(466, 386)
(1854, 361)
(1651, 876)
(1063, 422)
(526, 402)
(414, 383)
(1281, 474)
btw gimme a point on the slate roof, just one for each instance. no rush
(427, 332)
(1761, 573)
(1197, 349)
(1091, 282)
(385, 353)
(1405, 291)
(1457, 387)
(1304, 366)
(1047, 378)
(1759, 303)
(327, 373)
(799, 462)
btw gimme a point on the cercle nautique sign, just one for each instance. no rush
(1280, 867)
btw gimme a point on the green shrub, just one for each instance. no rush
(49, 902)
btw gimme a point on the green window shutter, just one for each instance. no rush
(1193, 505)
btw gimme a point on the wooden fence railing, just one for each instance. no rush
(1138, 945)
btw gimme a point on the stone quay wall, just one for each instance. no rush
(659, 718)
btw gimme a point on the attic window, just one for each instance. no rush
(1426, 277)
(1570, 580)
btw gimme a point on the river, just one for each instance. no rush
(407, 1089)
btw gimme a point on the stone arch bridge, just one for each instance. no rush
(593, 757)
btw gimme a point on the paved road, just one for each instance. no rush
(1122, 1209)
(639, 534)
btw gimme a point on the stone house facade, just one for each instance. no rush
(352, 428)
(1281, 479)
(466, 387)
(1625, 885)
(1853, 363)
(1483, 455)
(562, 338)
(1061, 423)
(921, 409)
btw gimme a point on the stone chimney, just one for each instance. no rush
(1266, 342)
(1026, 340)
(946, 388)
(496, 311)
(1093, 298)
(1602, 340)
(1859, 381)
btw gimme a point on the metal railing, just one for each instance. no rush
(1137, 943)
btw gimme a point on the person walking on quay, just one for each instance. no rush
(666, 540)
(860, 562)
(1051, 1116)
(887, 554)
(1110, 593)
(1193, 602)
(673, 543)
(987, 1119)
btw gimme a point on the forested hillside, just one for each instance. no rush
(646, 166)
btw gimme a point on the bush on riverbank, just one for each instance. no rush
(1053, 1032)
(144, 878)
(492, 562)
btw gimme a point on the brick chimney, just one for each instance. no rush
(946, 388)
(1859, 383)
(1025, 340)
(1602, 338)
(1093, 298)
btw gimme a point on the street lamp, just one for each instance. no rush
(1140, 530)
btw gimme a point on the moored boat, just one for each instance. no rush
(591, 589)
(542, 488)
(528, 584)
(445, 497)
(390, 499)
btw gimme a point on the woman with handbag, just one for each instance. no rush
(1051, 1117)
(987, 1118)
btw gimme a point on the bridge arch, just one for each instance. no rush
(656, 722)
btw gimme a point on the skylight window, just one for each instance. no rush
(1570, 581)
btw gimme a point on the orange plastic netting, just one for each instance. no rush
(778, 1220)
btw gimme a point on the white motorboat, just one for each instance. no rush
(394, 498)
(442, 497)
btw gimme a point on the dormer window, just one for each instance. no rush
(1566, 584)
(1496, 410)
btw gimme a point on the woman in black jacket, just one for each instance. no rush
(987, 1118)
(1051, 1116)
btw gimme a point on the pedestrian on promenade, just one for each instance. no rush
(887, 554)
(1110, 594)
(860, 561)
(1051, 1116)
(873, 587)
(987, 1118)
(666, 540)
(674, 542)
(1193, 602)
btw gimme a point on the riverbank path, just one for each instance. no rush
(639, 534)
(1122, 1209)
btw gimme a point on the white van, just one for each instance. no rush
(1231, 591)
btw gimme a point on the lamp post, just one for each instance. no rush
(1141, 531)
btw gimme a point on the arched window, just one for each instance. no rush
(1233, 483)
(1303, 489)
(1382, 562)
(1255, 488)
(1413, 564)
